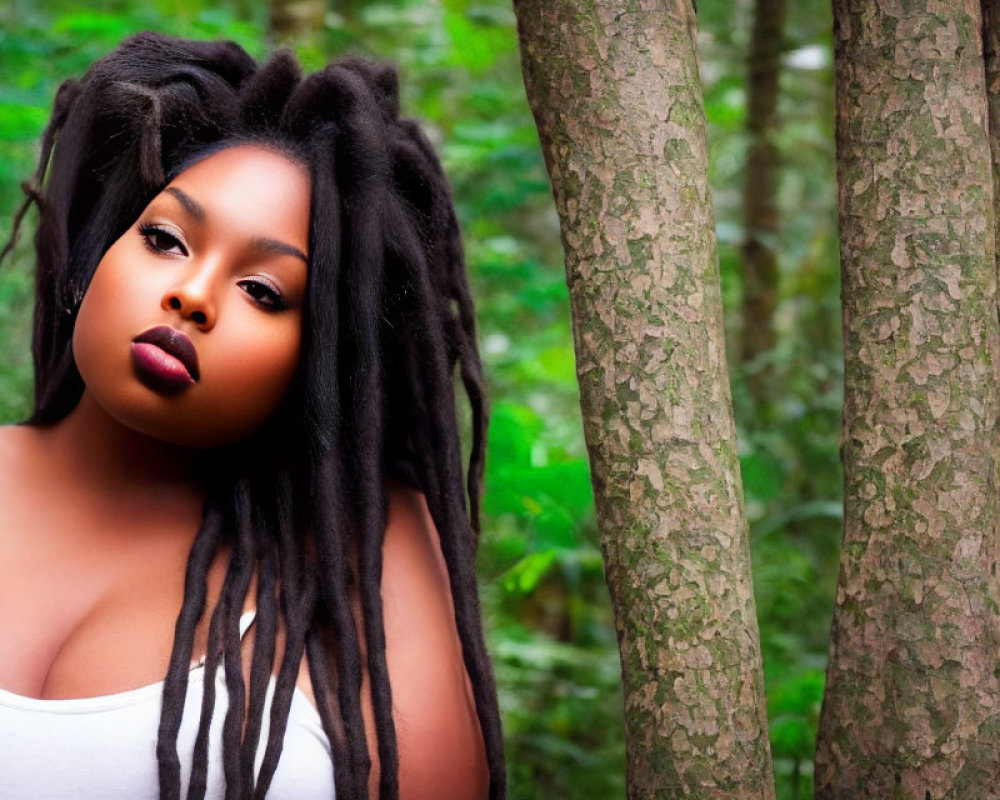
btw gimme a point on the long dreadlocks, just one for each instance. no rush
(388, 320)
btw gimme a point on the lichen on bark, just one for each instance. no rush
(913, 700)
(615, 91)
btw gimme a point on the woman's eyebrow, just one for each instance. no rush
(194, 208)
(190, 204)
(278, 248)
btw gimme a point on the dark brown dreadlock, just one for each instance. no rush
(388, 319)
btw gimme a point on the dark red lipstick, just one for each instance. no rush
(165, 359)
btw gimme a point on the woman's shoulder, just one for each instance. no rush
(416, 589)
(440, 740)
(18, 454)
(19, 459)
(412, 551)
(26, 475)
(16, 442)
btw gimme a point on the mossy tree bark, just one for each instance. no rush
(616, 96)
(760, 197)
(912, 706)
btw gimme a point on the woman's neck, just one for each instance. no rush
(92, 450)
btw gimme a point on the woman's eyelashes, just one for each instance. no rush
(264, 293)
(163, 242)
(160, 240)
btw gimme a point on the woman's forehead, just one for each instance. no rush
(249, 187)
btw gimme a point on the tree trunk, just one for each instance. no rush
(760, 201)
(912, 706)
(615, 93)
(293, 19)
(991, 56)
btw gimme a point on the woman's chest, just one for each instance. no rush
(85, 609)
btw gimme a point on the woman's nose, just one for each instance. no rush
(192, 299)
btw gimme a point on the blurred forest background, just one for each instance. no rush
(550, 624)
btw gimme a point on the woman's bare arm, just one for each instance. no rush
(441, 753)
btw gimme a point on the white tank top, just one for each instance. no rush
(104, 748)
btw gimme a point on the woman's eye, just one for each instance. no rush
(263, 294)
(160, 241)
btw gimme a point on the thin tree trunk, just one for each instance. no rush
(912, 706)
(760, 190)
(293, 19)
(615, 92)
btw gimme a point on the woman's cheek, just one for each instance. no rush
(248, 377)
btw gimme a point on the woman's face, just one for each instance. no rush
(191, 327)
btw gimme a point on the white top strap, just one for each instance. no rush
(246, 621)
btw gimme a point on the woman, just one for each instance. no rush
(242, 471)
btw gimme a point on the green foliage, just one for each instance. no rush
(551, 628)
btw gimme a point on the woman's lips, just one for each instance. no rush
(165, 359)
